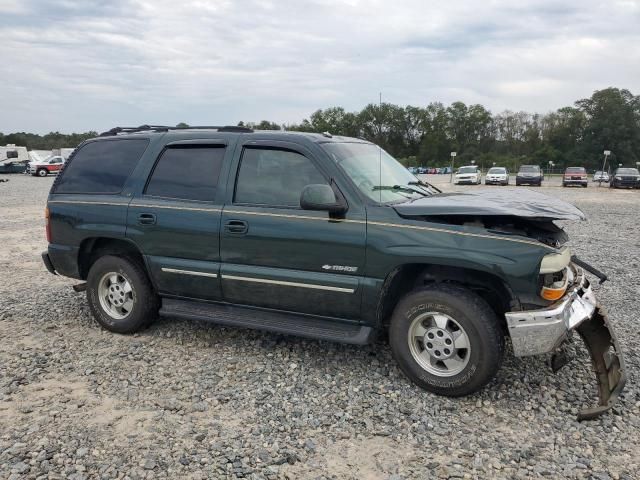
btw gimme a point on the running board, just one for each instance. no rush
(277, 322)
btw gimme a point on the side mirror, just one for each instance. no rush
(322, 197)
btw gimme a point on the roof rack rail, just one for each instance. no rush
(164, 128)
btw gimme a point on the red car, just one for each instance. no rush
(575, 176)
(45, 167)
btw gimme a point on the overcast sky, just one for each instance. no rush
(90, 65)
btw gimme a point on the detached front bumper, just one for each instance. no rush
(538, 332)
(535, 332)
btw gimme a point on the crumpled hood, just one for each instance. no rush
(520, 203)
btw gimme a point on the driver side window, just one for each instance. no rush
(274, 177)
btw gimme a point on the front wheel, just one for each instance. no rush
(446, 339)
(120, 294)
(42, 172)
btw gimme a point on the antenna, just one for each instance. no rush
(380, 147)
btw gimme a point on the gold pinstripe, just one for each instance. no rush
(84, 202)
(467, 234)
(323, 219)
(139, 205)
(301, 217)
(171, 207)
(396, 225)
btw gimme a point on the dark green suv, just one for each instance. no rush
(323, 237)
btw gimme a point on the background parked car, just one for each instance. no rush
(575, 176)
(469, 175)
(497, 176)
(50, 165)
(601, 176)
(625, 178)
(529, 175)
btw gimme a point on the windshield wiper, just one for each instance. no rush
(401, 188)
(425, 184)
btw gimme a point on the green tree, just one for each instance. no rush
(612, 123)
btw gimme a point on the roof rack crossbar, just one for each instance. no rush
(164, 128)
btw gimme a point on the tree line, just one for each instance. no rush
(425, 136)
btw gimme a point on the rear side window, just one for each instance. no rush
(274, 177)
(188, 173)
(101, 166)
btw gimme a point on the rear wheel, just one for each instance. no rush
(446, 339)
(120, 294)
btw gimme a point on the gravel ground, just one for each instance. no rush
(194, 400)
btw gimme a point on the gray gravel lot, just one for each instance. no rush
(194, 400)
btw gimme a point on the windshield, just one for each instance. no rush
(365, 162)
(628, 171)
(468, 170)
(496, 170)
(575, 170)
(529, 168)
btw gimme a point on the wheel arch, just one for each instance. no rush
(93, 248)
(406, 278)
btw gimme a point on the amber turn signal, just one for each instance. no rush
(552, 293)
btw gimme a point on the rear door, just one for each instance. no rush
(175, 219)
(276, 255)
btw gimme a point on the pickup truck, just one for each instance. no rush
(45, 167)
(324, 237)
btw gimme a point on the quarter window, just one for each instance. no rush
(274, 177)
(188, 173)
(102, 166)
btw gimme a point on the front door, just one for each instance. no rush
(276, 255)
(175, 220)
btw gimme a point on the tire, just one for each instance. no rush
(133, 309)
(458, 310)
(42, 172)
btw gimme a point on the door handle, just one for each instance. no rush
(236, 227)
(147, 219)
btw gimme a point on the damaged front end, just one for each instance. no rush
(536, 332)
(563, 300)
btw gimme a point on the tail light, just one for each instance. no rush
(47, 224)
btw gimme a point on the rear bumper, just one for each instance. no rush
(47, 263)
(62, 259)
(538, 332)
(575, 182)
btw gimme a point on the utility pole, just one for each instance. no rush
(606, 154)
(453, 156)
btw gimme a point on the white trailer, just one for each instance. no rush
(13, 159)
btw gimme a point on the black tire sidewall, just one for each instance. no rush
(479, 323)
(144, 299)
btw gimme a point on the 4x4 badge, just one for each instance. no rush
(340, 268)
